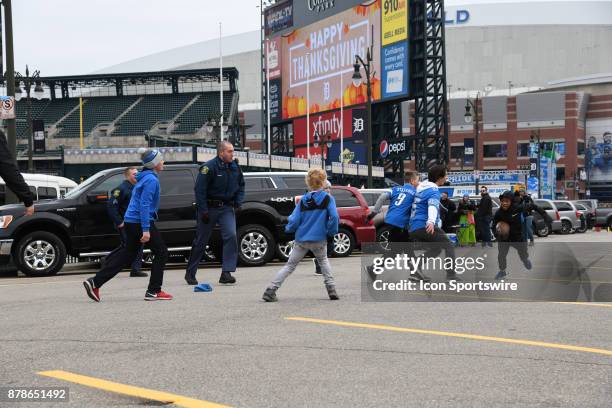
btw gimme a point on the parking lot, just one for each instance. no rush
(230, 348)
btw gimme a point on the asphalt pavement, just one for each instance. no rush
(229, 347)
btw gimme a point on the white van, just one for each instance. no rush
(43, 186)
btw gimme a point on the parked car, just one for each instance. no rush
(591, 214)
(353, 229)
(603, 215)
(570, 216)
(42, 186)
(588, 220)
(550, 208)
(371, 196)
(78, 224)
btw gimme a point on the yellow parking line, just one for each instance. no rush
(585, 304)
(130, 390)
(453, 334)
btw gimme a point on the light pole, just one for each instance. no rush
(29, 80)
(469, 106)
(357, 82)
(535, 138)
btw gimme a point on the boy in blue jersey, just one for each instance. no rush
(398, 214)
(425, 224)
(313, 220)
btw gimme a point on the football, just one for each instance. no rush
(503, 230)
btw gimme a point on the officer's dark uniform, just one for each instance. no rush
(219, 190)
(118, 203)
(11, 176)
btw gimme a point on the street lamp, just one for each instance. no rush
(535, 138)
(29, 80)
(469, 106)
(367, 66)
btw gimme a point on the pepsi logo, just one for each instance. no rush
(384, 149)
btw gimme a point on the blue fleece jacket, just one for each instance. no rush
(314, 224)
(145, 200)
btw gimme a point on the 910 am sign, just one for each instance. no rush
(394, 21)
(8, 107)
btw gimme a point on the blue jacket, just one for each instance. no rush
(219, 181)
(145, 200)
(311, 223)
(119, 201)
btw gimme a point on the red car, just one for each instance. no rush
(353, 229)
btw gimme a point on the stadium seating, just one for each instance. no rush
(95, 111)
(198, 113)
(152, 109)
(149, 110)
(49, 111)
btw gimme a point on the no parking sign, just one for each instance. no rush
(8, 107)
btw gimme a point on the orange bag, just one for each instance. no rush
(470, 218)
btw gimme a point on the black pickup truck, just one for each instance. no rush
(78, 224)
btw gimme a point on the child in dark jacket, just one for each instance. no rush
(313, 220)
(510, 213)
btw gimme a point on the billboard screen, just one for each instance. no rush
(598, 155)
(315, 61)
(350, 126)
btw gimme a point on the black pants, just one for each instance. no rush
(397, 234)
(439, 238)
(124, 256)
(504, 247)
(484, 227)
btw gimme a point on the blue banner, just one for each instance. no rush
(458, 179)
(468, 152)
(395, 70)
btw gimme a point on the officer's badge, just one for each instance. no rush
(116, 193)
(204, 170)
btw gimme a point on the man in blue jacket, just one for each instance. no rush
(118, 203)
(314, 219)
(140, 229)
(219, 191)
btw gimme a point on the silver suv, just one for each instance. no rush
(551, 210)
(570, 216)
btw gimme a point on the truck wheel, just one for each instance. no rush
(344, 243)
(283, 250)
(256, 245)
(40, 253)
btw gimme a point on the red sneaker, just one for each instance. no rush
(92, 291)
(161, 295)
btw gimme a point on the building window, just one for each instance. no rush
(495, 150)
(560, 148)
(560, 173)
(523, 149)
(580, 148)
(456, 152)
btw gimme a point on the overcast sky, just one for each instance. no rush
(64, 37)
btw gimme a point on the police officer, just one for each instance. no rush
(12, 178)
(117, 205)
(219, 190)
